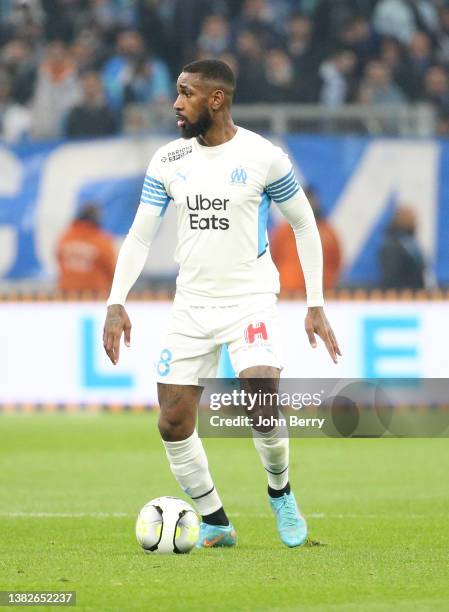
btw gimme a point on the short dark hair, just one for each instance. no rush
(213, 69)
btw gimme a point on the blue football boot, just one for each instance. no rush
(290, 523)
(213, 536)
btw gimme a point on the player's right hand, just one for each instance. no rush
(117, 322)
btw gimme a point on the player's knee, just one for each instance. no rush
(178, 411)
(173, 428)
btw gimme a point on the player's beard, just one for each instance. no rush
(199, 128)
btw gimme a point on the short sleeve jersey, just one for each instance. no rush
(222, 195)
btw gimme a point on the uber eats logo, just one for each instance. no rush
(205, 222)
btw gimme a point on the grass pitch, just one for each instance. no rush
(71, 487)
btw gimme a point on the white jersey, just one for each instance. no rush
(222, 196)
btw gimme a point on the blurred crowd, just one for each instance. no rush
(69, 68)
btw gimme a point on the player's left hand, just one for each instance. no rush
(317, 323)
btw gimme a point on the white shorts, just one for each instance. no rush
(248, 326)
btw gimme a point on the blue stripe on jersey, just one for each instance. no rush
(154, 189)
(287, 194)
(264, 207)
(153, 201)
(277, 183)
(154, 194)
(284, 188)
(280, 190)
(157, 183)
(286, 185)
(149, 193)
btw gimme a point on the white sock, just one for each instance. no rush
(273, 450)
(188, 463)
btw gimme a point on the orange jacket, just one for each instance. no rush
(86, 257)
(284, 253)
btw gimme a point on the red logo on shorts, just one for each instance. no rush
(255, 331)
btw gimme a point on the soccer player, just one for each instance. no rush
(221, 178)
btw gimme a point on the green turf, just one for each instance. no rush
(379, 509)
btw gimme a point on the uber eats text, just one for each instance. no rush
(213, 222)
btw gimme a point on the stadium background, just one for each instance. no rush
(367, 136)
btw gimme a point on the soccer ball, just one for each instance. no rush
(167, 525)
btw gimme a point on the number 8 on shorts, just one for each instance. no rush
(163, 366)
